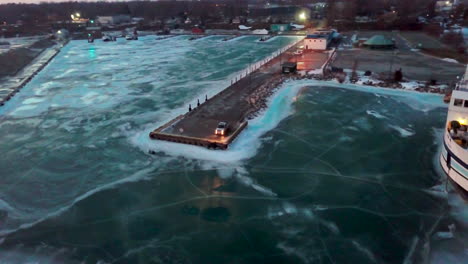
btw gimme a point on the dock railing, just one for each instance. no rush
(249, 70)
(253, 67)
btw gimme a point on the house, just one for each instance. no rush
(315, 42)
(113, 20)
(137, 19)
(197, 30)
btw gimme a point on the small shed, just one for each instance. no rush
(379, 42)
(316, 42)
(289, 67)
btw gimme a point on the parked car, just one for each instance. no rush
(222, 129)
(298, 52)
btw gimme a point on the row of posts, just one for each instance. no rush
(262, 62)
(198, 103)
(251, 69)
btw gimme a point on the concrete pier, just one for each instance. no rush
(14, 84)
(228, 38)
(232, 105)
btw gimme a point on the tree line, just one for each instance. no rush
(50, 12)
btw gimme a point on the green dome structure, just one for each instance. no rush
(379, 42)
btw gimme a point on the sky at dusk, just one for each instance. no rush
(38, 1)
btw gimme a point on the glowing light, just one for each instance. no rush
(302, 16)
(462, 121)
(92, 53)
(77, 15)
(59, 32)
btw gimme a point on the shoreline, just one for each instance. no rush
(276, 108)
(265, 94)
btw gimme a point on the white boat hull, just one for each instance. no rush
(454, 166)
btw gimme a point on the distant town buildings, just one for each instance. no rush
(236, 20)
(114, 20)
(443, 6)
(363, 19)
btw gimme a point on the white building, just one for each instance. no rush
(315, 42)
(236, 20)
(112, 20)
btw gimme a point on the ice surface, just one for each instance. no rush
(375, 114)
(88, 135)
(92, 98)
(416, 100)
(450, 60)
(279, 107)
(403, 132)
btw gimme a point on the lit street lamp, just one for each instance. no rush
(302, 16)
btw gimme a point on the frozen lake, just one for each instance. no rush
(325, 175)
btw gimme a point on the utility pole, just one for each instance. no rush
(391, 66)
(281, 53)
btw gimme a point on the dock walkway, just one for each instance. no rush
(233, 104)
(13, 84)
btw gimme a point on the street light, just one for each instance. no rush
(302, 16)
